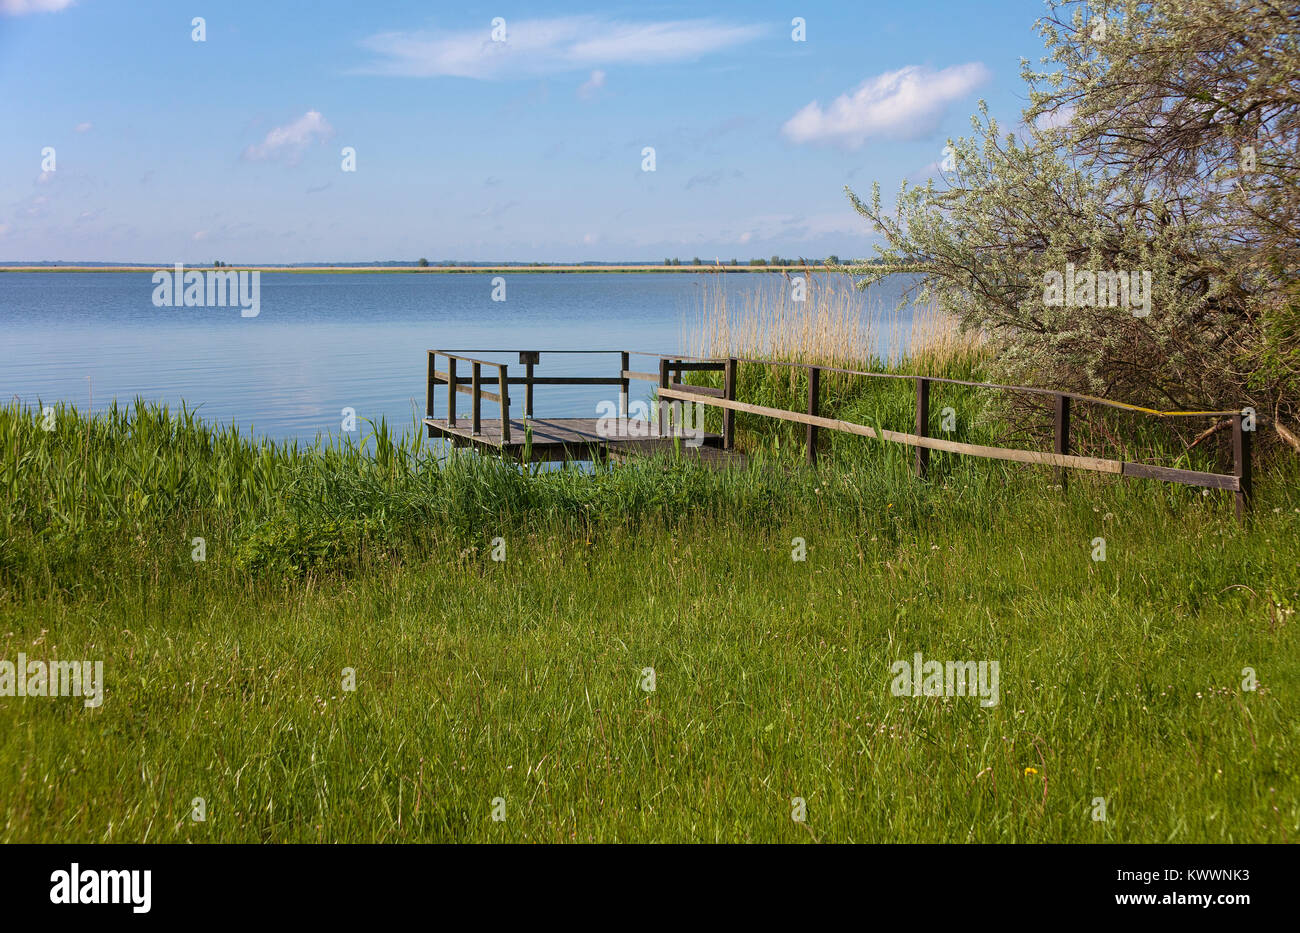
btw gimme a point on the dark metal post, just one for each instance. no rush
(452, 391)
(477, 404)
(661, 402)
(728, 415)
(922, 424)
(428, 399)
(1062, 445)
(814, 393)
(624, 387)
(1241, 464)
(504, 386)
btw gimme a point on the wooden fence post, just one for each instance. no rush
(528, 386)
(504, 386)
(1241, 464)
(428, 399)
(452, 391)
(728, 415)
(1062, 445)
(922, 424)
(625, 386)
(476, 405)
(661, 402)
(814, 394)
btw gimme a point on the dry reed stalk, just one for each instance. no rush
(836, 325)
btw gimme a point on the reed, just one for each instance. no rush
(835, 324)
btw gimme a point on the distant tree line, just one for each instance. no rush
(831, 260)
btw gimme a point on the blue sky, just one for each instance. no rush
(167, 149)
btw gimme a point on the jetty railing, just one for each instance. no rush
(670, 388)
(473, 385)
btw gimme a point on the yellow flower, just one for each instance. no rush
(1029, 771)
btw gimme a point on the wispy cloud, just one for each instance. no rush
(1055, 119)
(903, 104)
(712, 179)
(591, 87)
(37, 206)
(497, 210)
(550, 46)
(290, 141)
(83, 127)
(23, 7)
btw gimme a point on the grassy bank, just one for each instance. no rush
(523, 678)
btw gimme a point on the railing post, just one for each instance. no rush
(1241, 464)
(624, 387)
(1062, 445)
(528, 388)
(661, 402)
(922, 424)
(428, 399)
(452, 391)
(504, 386)
(814, 393)
(476, 404)
(728, 415)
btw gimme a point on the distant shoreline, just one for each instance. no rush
(435, 270)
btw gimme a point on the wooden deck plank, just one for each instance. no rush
(570, 438)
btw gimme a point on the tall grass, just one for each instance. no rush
(839, 326)
(835, 324)
(521, 679)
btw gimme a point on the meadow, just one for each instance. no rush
(662, 652)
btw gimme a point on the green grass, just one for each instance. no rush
(521, 679)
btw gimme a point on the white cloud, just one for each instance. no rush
(22, 7)
(83, 127)
(199, 235)
(550, 46)
(903, 104)
(1054, 119)
(591, 87)
(291, 139)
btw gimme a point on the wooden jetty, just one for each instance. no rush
(556, 439)
(621, 437)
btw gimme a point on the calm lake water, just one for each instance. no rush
(323, 342)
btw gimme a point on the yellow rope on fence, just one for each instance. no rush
(1151, 411)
